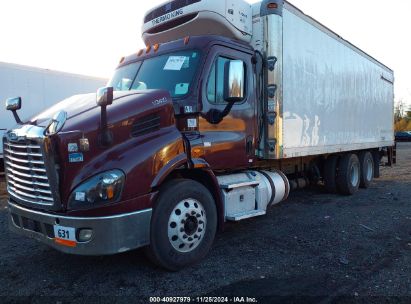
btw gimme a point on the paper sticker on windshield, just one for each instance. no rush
(181, 89)
(174, 63)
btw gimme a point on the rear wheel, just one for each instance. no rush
(330, 174)
(348, 177)
(367, 169)
(183, 225)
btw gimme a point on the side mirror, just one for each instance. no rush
(234, 81)
(105, 96)
(14, 104)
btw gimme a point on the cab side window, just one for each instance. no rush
(215, 86)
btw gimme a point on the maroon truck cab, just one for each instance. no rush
(81, 195)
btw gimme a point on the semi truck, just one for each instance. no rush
(41, 88)
(228, 108)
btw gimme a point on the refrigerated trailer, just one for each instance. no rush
(39, 88)
(229, 108)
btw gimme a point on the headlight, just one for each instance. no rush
(101, 189)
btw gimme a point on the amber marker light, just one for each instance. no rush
(110, 192)
(156, 47)
(272, 5)
(186, 40)
(196, 152)
(148, 49)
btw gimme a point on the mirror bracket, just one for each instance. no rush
(105, 98)
(215, 116)
(16, 117)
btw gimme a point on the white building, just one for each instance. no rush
(39, 89)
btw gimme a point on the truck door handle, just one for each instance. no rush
(249, 145)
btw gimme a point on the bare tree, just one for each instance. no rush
(399, 110)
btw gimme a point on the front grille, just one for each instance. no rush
(26, 173)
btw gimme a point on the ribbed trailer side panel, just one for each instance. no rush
(335, 97)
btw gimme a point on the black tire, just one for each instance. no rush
(163, 249)
(330, 174)
(348, 176)
(367, 169)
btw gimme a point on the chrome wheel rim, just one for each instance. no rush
(370, 169)
(186, 225)
(355, 174)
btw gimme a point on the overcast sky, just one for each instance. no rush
(89, 37)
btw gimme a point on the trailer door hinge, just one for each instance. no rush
(271, 118)
(271, 145)
(271, 91)
(271, 61)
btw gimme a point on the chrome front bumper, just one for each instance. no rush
(111, 235)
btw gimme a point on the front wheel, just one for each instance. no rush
(183, 225)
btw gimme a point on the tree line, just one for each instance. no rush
(402, 117)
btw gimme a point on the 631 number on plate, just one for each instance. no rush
(65, 236)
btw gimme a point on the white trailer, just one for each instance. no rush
(39, 89)
(330, 95)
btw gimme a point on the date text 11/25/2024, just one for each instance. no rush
(203, 300)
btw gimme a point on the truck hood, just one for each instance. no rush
(76, 105)
(144, 136)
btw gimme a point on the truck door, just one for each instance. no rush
(230, 144)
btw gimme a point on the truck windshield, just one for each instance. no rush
(173, 72)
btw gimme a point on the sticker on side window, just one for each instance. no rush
(174, 63)
(186, 64)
